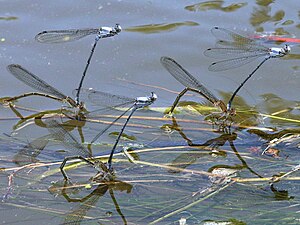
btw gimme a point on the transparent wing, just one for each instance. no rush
(58, 36)
(29, 153)
(232, 63)
(33, 81)
(65, 138)
(108, 100)
(221, 53)
(78, 215)
(110, 125)
(185, 78)
(230, 38)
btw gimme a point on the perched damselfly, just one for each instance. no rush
(46, 90)
(191, 84)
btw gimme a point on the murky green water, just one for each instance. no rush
(169, 182)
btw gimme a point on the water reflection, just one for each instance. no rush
(88, 204)
(293, 56)
(212, 148)
(79, 151)
(289, 137)
(24, 119)
(29, 153)
(215, 5)
(207, 149)
(262, 13)
(79, 214)
(8, 18)
(280, 195)
(279, 111)
(157, 28)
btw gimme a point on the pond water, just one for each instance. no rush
(168, 182)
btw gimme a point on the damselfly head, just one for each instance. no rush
(118, 28)
(287, 48)
(110, 31)
(81, 106)
(153, 96)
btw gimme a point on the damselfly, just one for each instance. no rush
(59, 36)
(118, 101)
(191, 84)
(240, 50)
(46, 90)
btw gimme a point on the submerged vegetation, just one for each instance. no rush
(103, 158)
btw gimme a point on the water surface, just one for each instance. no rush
(129, 64)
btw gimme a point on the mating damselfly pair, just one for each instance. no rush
(101, 98)
(239, 50)
(46, 90)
